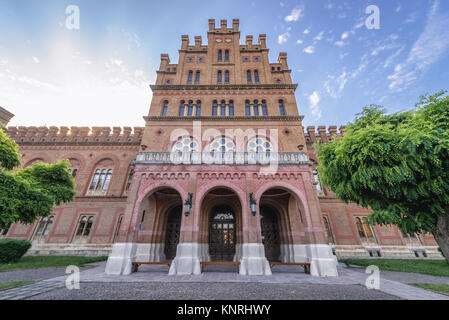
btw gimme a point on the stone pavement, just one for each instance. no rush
(227, 274)
(29, 290)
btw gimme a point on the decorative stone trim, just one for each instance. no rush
(224, 87)
(226, 118)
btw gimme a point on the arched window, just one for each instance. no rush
(281, 108)
(129, 180)
(222, 144)
(227, 77)
(264, 108)
(227, 55)
(181, 108)
(256, 108)
(95, 179)
(185, 144)
(101, 178)
(223, 108)
(364, 229)
(231, 108)
(259, 144)
(316, 179)
(190, 110)
(107, 180)
(256, 76)
(248, 76)
(165, 108)
(198, 108)
(84, 226)
(73, 172)
(220, 55)
(197, 77)
(189, 79)
(219, 77)
(247, 108)
(214, 108)
(44, 227)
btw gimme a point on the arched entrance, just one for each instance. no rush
(222, 235)
(172, 232)
(270, 233)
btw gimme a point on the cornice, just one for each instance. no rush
(228, 118)
(76, 144)
(224, 87)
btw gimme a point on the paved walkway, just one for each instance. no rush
(282, 275)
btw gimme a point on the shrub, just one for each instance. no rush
(11, 250)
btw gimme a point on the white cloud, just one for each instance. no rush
(282, 4)
(319, 36)
(283, 37)
(309, 49)
(339, 43)
(344, 35)
(314, 100)
(35, 59)
(299, 41)
(307, 31)
(296, 13)
(430, 46)
(398, 8)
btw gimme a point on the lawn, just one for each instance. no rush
(442, 288)
(423, 266)
(35, 262)
(11, 284)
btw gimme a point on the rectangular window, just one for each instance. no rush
(264, 108)
(165, 109)
(214, 108)
(247, 108)
(198, 108)
(189, 79)
(231, 108)
(281, 108)
(256, 76)
(248, 76)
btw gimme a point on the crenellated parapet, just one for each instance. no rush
(75, 135)
(323, 134)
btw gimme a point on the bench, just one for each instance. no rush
(137, 264)
(219, 263)
(305, 265)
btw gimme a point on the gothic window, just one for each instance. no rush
(281, 108)
(316, 179)
(165, 108)
(248, 76)
(200, 59)
(101, 178)
(278, 81)
(227, 77)
(190, 109)
(117, 229)
(44, 227)
(256, 76)
(129, 180)
(219, 77)
(189, 79)
(74, 167)
(197, 77)
(223, 108)
(222, 144)
(214, 108)
(247, 108)
(259, 144)
(84, 226)
(181, 108)
(264, 108)
(185, 144)
(227, 55)
(220, 55)
(231, 108)
(256, 108)
(328, 229)
(364, 229)
(198, 108)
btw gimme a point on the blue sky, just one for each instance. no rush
(99, 75)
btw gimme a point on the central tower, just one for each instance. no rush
(222, 173)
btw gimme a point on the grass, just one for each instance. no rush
(430, 267)
(440, 288)
(12, 284)
(36, 262)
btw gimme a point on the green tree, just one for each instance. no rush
(397, 165)
(31, 192)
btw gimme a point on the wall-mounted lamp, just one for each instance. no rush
(188, 204)
(252, 204)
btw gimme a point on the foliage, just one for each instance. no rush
(36, 262)
(13, 284)
(397, 165)
(11, 250)
(31, 192)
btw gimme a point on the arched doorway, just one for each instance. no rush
(270, 233)
(172, 232)
(222, 233)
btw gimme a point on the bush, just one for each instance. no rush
(11, 250)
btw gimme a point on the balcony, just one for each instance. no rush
(224, 158)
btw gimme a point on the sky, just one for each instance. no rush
(99, 74)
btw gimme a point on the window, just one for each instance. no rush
(278, 80)
(189, 79)
(44, 227)
(200, 59)
(117, 229)
(189, 59)
(227, 55)
(168, 81)
(220, 55)
(185, 144)
(247, 108)
(231, 108)
(165, 108)
(214, 108)
(316, 179)
(190, 109)
(281, 108)
(245, 59)
(129, 180)
(227, 77)
(223, 108)
(73, 172)
(219, 77)
(256, 108)
(264, 108)
(4, 232)
(328, 229)
(197, 77)
(84, 226)
(364, 229)
(101, 179)
(198, 108)
(248, 76)
(256, 59)
(222, 144)
(256, 76)
(181, 108)
(259, 144)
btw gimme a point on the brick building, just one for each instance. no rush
(223, 170)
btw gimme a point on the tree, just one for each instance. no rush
(397, 165)
(31, 192)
